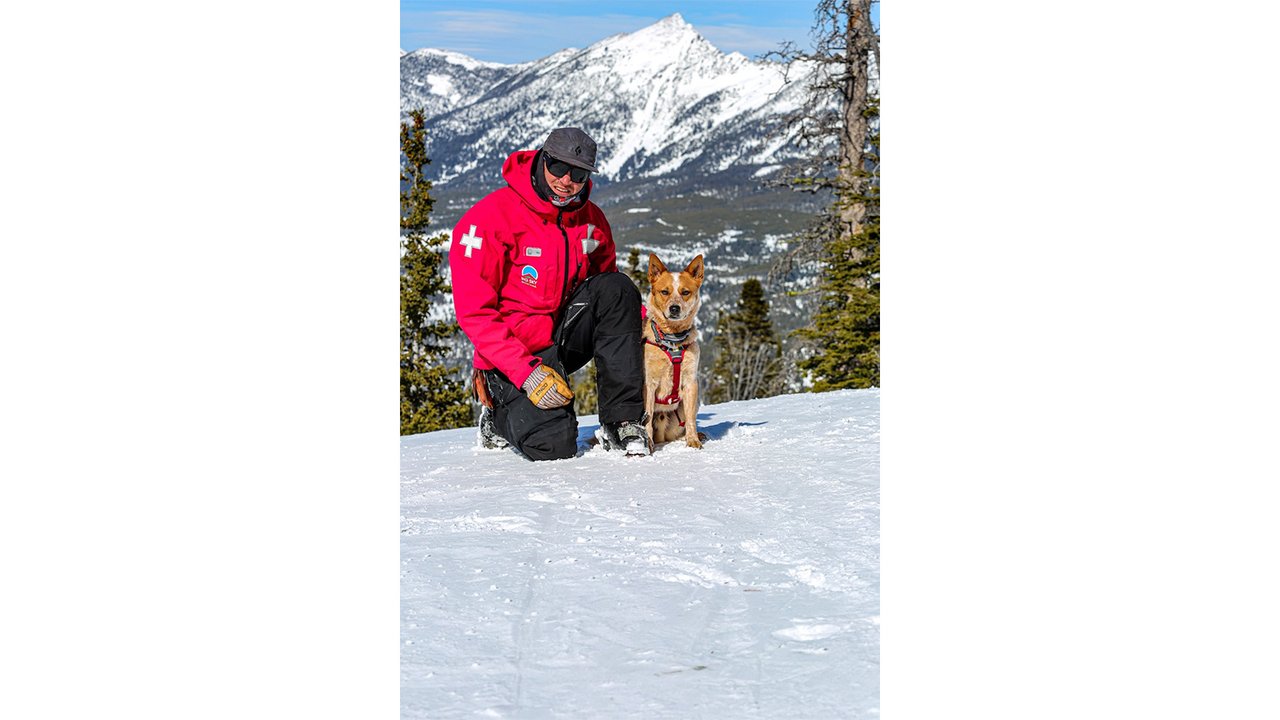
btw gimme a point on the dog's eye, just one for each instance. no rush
(684, 293)
(665, 292)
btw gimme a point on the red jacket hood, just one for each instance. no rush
(518, 172)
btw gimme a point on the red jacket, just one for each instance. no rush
(509, 258)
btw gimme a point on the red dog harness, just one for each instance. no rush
(674, 346)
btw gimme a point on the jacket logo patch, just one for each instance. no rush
(533, 252)
(589, 244)
(471, 241)
(529, 276)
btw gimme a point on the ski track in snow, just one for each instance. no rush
(740, 580)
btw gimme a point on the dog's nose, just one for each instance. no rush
(673, 311)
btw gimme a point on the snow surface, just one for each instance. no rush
(737, 581)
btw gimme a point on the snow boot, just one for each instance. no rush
(488, 437)
(627, 436)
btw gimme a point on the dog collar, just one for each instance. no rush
(673, 343)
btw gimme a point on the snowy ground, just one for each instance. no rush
(737, 581)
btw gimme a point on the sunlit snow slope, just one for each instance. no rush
(737, 581)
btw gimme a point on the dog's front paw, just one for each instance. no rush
(693, 442)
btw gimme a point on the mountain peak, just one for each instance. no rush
(657, 100)
(675, 19)
(673, 23)
(662, 40)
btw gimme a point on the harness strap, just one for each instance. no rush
(676, 361)
(675, 353)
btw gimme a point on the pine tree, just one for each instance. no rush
(845, 240)
(749, 356)
(638, 275)
(432, 397)
(846, 328)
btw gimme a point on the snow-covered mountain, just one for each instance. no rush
(741, 580)
(661, 102)
(688, 136)
(439, 81)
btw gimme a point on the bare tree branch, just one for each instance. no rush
(832, 123)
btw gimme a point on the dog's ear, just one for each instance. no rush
(695, 270)
(656, 267)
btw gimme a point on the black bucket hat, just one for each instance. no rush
(572, 146)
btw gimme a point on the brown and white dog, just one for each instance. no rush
(671, 353)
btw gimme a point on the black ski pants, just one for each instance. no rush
(601, 320)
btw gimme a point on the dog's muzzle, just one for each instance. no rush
(673, 312)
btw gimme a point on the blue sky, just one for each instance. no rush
(512, 31)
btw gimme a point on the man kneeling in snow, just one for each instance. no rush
(537, 291)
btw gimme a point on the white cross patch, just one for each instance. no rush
(471, 240)
(589, 244)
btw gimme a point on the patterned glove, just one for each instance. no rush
(546, 388)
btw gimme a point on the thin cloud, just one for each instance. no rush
(751, 40)
(513, 37)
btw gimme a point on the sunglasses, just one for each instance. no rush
(558, 168)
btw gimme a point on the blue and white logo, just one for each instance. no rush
(529, 276)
